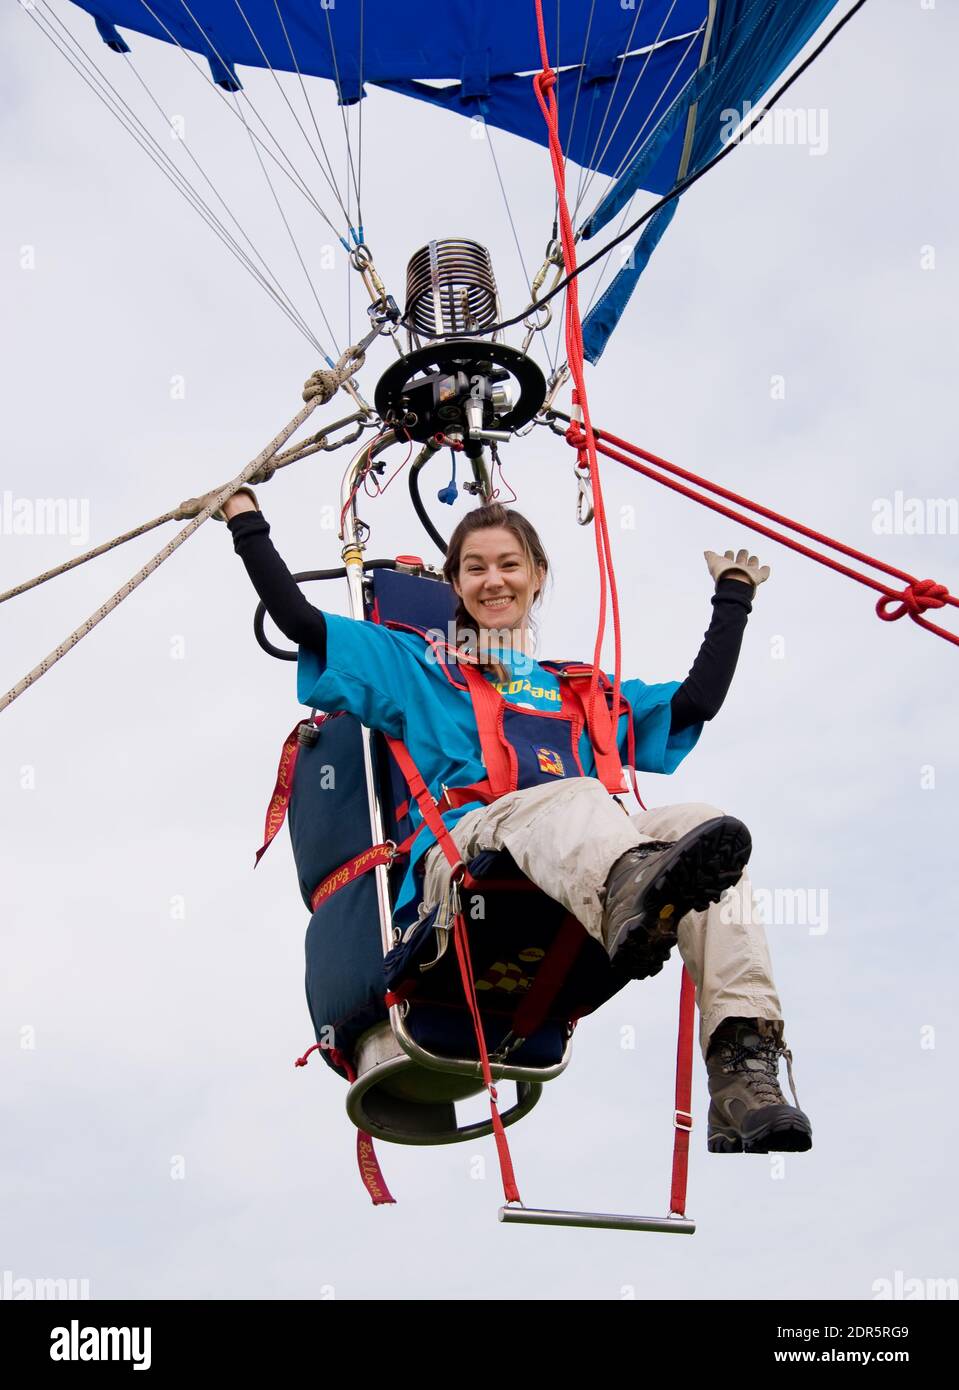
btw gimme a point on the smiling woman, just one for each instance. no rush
(497, 567)
(639, 884)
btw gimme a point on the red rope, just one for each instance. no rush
(914, 599)
(543, 85)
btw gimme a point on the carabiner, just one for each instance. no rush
(584, 497)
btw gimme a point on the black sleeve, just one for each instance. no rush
(705, 688)
(293, 614)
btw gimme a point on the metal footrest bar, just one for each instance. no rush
(597, 1220)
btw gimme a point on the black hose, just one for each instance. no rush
(303, 578)
(419, 508)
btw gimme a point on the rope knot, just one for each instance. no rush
(301, 1061)
(576, 437)
(321, 385)
(545, 81)
(914, 600)
(264, 474)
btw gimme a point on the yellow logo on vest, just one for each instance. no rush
(550, 761)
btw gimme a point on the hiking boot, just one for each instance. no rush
(748, 1113)
(651, 887)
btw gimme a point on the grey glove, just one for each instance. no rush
(741, 566)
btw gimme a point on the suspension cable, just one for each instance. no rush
(681, 186)
(104, 90)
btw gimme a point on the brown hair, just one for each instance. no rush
(482, 518)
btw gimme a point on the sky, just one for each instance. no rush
(794, 338)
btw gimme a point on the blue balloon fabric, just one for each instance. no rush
(644, 87)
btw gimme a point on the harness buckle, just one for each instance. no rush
(682, 1119)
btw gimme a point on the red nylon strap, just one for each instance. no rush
(367, 1162)
(682, 1115)
(427, 805)
(360, 864)
(460, 796)
(609, 767)
(434, 820)
(280, 798)
(488, 707)
(510, 1189)
(913, 600)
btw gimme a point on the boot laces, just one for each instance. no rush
(736, 1055)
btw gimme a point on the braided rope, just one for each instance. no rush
(90, 554)
(210, 504)
(315, 393)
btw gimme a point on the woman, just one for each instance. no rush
(638, 883)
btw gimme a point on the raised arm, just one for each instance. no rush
(701, 695)
(294, 615)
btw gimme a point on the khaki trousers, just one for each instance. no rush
(565, 837)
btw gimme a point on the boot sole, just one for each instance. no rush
(787, 1131)
(696, 872)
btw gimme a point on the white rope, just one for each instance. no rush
(319, 389)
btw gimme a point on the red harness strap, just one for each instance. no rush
(682, 1115)
(608, 764)
(489, 708)
(360, 864)
(434, 820)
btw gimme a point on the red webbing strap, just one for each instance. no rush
(609, 767)
(434, 820)
(682, 1115)
(280, 797)
(367, 1162)
(917, 596)
(460, 796)
(360, 864)
(488, 707)
(557, 963)
(510, 1190)
(624, 708)
(427, 805)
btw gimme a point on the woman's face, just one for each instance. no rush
(494, 583)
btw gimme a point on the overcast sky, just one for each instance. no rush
(141, 365)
